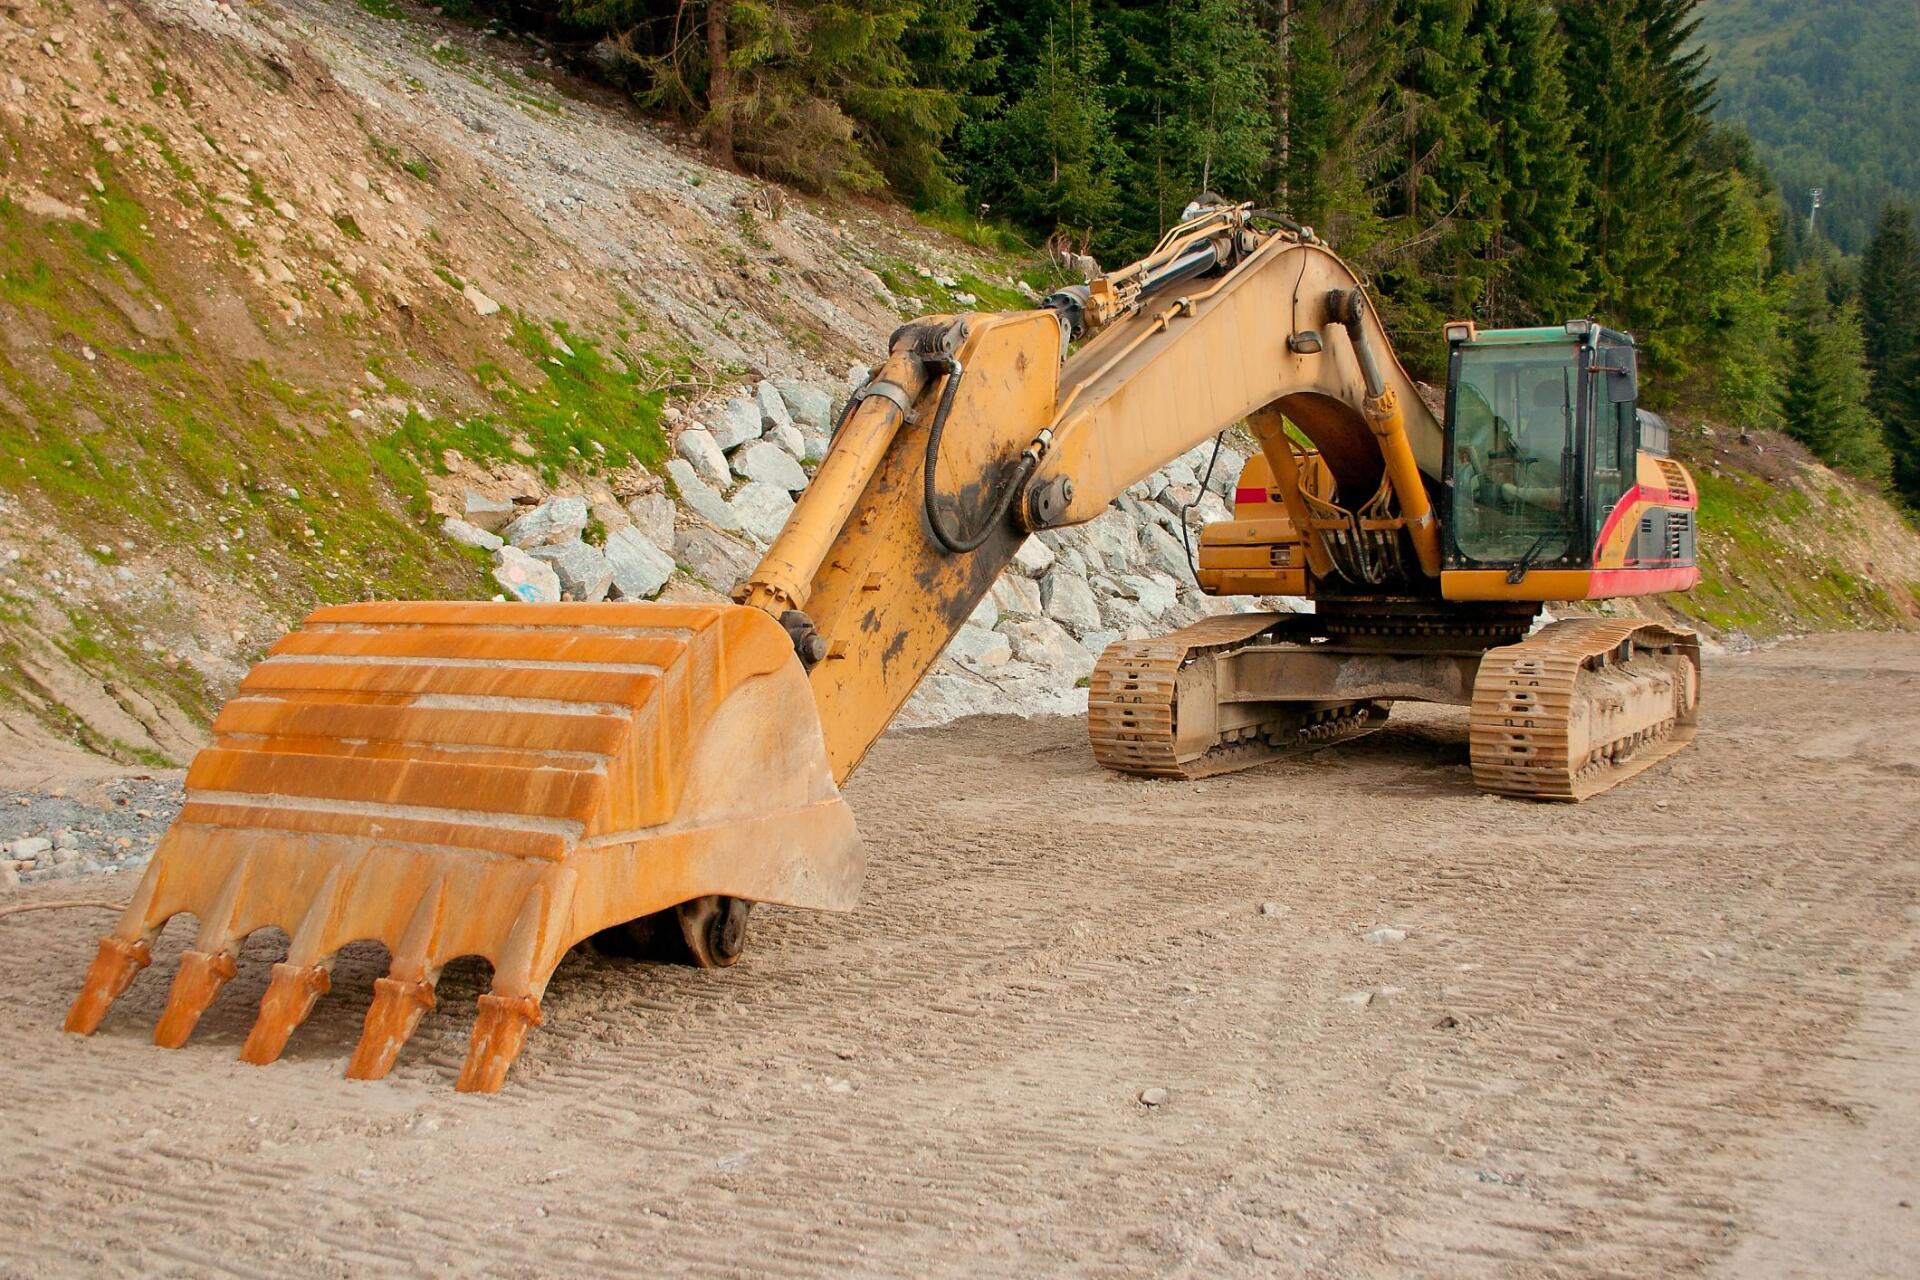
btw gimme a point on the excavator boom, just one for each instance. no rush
(506, 780)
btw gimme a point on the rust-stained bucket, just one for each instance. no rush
(500, 780)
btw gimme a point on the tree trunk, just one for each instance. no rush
(719, 83)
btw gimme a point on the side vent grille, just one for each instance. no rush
(1678, 490)
(1679, 524)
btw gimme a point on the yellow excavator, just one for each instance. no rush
(508, 780)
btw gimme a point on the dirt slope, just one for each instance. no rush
(1618, 1039)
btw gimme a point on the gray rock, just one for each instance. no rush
(1033, 558)
(584, 571)
(976, 646)
(773, 409)
(1046, 643)
(985, 614)
(702, 453)
(790, 440)
(1165, 552)
(487, 513)
(717, 560)
(1155, 596)
(1226, 472)
(1210, 510)
(469, 535)
(1270, 908)
(29, 847)
(1096, 642)
(763, 508)
(524, 578)
(811, 407)
(1014, 593)
(639, 567)
(1180, 475)
(1114, 537)
(65, 840)
(1382, 936)
(555, 521)
(1069, 600)
(700, 497)
(1155, 1097)
(735, 422)
(769, 464)
(652, 515)
(1122, 615)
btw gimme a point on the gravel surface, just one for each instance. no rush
(95, 826)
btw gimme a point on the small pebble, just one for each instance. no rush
(1155, 1097)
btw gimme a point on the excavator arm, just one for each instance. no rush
(505, 780)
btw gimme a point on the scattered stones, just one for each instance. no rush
(524, 578)
(487, 513)
(1155, 1097)
(553, 522)
(763, 508)
(702, 452)
(769, 464)
(583, 570)
(469, 535)
(702, 498)
(639, 567)
(1069, 600)
(734, 423)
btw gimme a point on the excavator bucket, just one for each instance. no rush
(500, 780)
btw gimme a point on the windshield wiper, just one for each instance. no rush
(1518, 573)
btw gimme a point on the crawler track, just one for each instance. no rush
(1581, 706)
(1133, 705)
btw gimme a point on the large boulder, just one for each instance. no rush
(652, 515)
(1114, 537)
(770, 464)
(1045, 643)
(703, 454)
(1165, 552)
(790, 440)
(639, 567)
(469, 535)
(977, 647)
(1155, 595)
(553, 522)
(524, 578)
(717, 560)
(700, 497)
(1017, 594)
(735, 422)
(1033, 558)
(773, 409)
(584, 571)
(487, 513)
(762, 508)
(1069, 601)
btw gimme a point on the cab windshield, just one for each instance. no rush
(1513, 414)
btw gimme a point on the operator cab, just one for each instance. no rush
(1543, 435)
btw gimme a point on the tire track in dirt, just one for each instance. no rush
(1575, 1064)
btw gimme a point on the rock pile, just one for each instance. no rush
(737, 468)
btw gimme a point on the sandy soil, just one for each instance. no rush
(1672, 1031)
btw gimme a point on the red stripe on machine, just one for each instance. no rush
(1251, 495)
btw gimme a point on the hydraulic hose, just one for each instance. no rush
(957, 544)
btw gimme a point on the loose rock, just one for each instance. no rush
(769, 464)
(524, 578)
(1069, 600)
(717, 560)
(487, 513)
(468, 535)
(652, 515)
(639, 567)
(555, 521)
(1154, 1097)
(702, 452)
(584, 571)
(735, 422)
(704, 500)
(762, 508)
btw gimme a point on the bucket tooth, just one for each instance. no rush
(398, 1005)
(290, 997)
(108, 978)
(199, 980)
(498, 1033)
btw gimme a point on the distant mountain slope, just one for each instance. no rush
(1831, 94)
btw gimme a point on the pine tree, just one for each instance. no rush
(1890, 302)
(1824, 396)
(1053, 156)
(1539, 213)
(1217, 119)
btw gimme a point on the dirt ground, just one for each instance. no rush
(1672, 1031)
